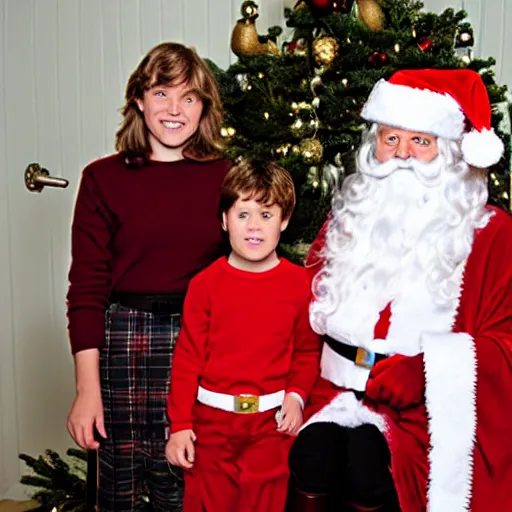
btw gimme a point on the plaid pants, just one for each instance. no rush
(134, 369)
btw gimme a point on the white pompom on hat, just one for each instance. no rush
(442, 102)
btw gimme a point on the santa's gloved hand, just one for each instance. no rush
(397, 381)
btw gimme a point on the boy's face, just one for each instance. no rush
(254, 230)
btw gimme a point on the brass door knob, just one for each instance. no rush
(36, 178)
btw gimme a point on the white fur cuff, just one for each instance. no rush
(450, 368)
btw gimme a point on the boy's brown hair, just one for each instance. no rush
(171, 64)
(265, 182)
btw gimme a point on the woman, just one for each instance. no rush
(145, 222)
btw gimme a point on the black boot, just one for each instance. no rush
(300, 501)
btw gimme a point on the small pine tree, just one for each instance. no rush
(302, 107)
(60, 486)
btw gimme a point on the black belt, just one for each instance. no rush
(358, 355)
(164, 304)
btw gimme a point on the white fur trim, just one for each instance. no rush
(450, 368)
(418, 110)
(346, 410)
(415, 313)
(482, 149)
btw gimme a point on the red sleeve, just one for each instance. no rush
(90, 273)
(306, 355)
(486, 315)
(189, 355)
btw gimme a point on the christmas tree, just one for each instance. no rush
(300, 105)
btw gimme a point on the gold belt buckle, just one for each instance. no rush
(247, 403)
(365, 358)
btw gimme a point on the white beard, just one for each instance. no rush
(392, 227)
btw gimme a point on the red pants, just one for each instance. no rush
(241, 463)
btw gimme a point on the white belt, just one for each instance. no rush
(240, 403)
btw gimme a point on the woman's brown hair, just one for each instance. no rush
(171, 64)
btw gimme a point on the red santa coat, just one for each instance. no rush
(453, 453)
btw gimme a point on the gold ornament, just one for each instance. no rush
(306, 120)
(371, 14)
(325, 50)
(245, 39)
(311, 150)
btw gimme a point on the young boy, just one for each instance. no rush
(246, 357)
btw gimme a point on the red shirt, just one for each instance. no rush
(243, 332)
(145, 230)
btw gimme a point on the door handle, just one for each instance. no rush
(36, 178)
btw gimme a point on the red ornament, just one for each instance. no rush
(328, 6)
(290, 47)
(321, 4)
(378, 59)
(425, 44)
(343, 6)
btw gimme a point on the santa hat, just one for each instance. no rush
(441, 102)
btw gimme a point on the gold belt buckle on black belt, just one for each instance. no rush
(247, 403)
(365, 358)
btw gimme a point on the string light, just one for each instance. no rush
(227, 132)
(283, 149)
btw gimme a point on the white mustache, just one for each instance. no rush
(428, 173)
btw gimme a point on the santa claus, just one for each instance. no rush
(412, 284)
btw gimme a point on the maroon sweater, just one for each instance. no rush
(146, 230)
